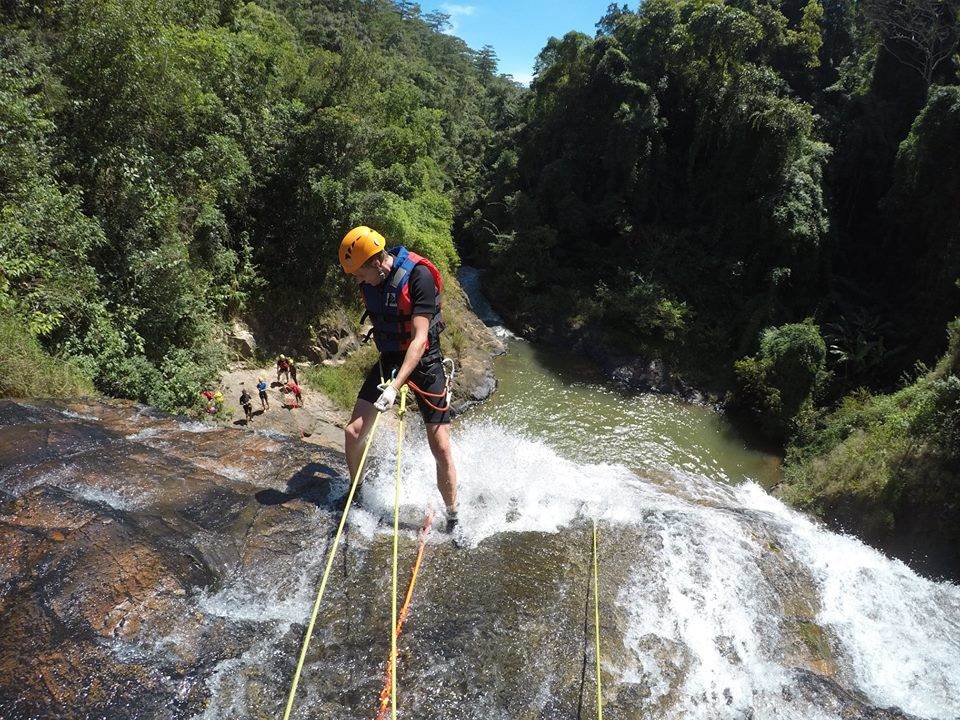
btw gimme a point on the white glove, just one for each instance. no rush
(387, 399)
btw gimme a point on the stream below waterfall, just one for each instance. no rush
(158, 568)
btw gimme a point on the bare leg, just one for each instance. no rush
(354, 433)
(438, 435)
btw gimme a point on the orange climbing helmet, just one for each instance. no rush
(358, 246)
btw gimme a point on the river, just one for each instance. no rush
(722, 595)
(178, 564)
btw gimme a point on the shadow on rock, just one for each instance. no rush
(311, 483)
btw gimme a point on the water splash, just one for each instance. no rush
(701, 607)
(899, 633)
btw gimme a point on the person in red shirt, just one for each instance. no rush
(283, 368)
(208, 395)
(297, 393)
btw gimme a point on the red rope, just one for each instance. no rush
(424, 395)
(388, 683)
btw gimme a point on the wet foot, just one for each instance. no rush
(452, 521)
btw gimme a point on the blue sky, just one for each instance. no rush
(518, 30)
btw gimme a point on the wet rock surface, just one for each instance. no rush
(114, 519)
(155, 567)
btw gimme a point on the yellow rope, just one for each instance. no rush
(326, 572)
(396, 534)
(596, 619)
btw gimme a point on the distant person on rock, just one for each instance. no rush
(283, 368)
(208, 397)
(297, 393)
(246, 402)
(217, 402)
(292, 369)
(401, 292)
(262, 389)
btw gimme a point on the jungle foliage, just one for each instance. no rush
(699, 172)
(766, 195)
(166, 166)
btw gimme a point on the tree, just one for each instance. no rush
(778, 383)
(437, 21)
(919, 33)
(487, 60)
(407, 8)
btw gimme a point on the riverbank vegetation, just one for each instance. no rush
(27, 370)
(169, 166)
(887, 466)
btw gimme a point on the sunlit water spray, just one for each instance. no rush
(703, 594)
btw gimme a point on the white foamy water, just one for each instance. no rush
(66, 478)
(899, 633)
(195, 426)
(703, 599)
(145, 434)
(259, 596)
(273, 435)
(115, 499)
(514, 483)
(273, 597)
(78, 416)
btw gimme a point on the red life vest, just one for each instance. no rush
(391, 309)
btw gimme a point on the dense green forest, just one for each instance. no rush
(169, 165)
(763, 194)
(766, 196)
(701, 171)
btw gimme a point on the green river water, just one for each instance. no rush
(563, 401)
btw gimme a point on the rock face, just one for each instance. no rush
(159, 568)
(241, 340)
(114, 519)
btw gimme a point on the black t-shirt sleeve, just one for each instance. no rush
(423, 291)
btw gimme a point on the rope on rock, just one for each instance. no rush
(386, 693)
(596, 619)
(396, 537)
(326, 572)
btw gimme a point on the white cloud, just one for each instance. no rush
(523, 78)
(456, 12)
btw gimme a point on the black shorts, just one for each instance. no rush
(263, 394)
(428, 376)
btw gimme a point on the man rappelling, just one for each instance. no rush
(401, 292)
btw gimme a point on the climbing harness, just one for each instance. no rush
(449, 372)
(387, 692)
(596, 619)
(326, 572)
